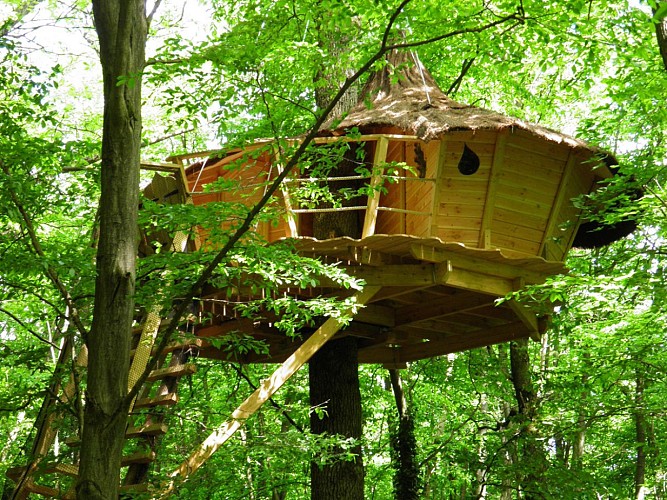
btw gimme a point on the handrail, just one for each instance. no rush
(318, 140)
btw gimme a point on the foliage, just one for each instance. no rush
(590, 68)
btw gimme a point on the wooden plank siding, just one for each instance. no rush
(419, 195)
(558, 239)
(250, 171)
(518, 201)
(462, 198)
(393, 222)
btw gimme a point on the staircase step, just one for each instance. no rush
(52, 468)
(172, 371)
(146, 430)
(46, 491)
(132, 432)
(175, 346)
(43, 490)
(138, 457)
(164, 400)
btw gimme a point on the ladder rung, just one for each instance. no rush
(132, 432)
(146, 430)
(172, 371)
(134, 488)
(175, 346)
(43, 490)
(51, 468)
(169, 399)
(139, 457)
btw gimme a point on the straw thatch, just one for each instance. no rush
(403, 94)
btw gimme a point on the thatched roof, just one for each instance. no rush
(404, 94)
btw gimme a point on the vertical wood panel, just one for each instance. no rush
(489, 203)
(376, 181)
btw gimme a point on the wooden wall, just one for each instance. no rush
(519, 200)
(462, 198)
(249, 171)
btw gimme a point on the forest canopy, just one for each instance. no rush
(577, 414)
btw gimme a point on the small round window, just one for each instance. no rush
(469, 162)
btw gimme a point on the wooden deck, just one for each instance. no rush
(435, 298)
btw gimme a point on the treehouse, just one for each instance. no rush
(441, 208)
(458, 206)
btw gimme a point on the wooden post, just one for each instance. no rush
(291, 216)
(376, 181)
(48, 430)
(557, 206)
(494, 175)
(267, 389)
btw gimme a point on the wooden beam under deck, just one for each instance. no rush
(401, 354)
(446, 304)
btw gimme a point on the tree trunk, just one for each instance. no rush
(121, 27)
(661, 35)
(640, 429)
(532, 459)
(582, 424)
(333, 371)
(334, 387)
(404, 445)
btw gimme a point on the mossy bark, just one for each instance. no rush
(334, 388)
(121, 27)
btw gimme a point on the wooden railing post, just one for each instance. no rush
(376, 182)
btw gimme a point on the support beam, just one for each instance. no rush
(558, 203)
(48, 429)
(267, 389)
(489, 203)
(528, 318)
(515, 270)
(456, 343)
(462, 302)
(471, 278)
(376, 182)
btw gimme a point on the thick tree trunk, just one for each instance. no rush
(333, 371)
(404, 444)
(334, 387)
(121, 27)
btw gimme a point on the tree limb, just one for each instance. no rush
(51, 273)
(661, 34)
(179, 309)
(27, 328)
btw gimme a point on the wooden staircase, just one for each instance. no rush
(54, 467)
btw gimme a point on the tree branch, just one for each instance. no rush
(51, 273)
(282, 410)
(27, 328)
(661, 34)
(465, 67)
(179, 309)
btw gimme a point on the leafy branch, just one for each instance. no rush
(50, 271)
(385, 47)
